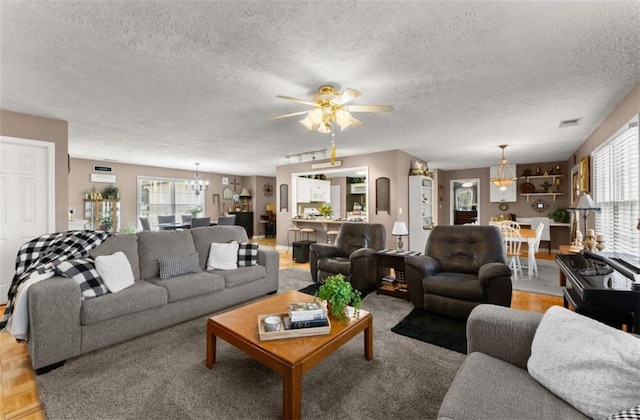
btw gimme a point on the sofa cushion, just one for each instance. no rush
(592, 366)
(454, 285)
(139, 297)
(242, 275)
(153, 245)
(115, 271)
(202, 238)
(178, 266)
(247, 254)
(223, 256)
(190, 285)
(489, 388)
(123, 242)
(83, 271)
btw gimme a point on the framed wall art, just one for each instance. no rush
(584, 175)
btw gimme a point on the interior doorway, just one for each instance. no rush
(465, 199)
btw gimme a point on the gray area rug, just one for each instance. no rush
(546, 283)
(162, 375)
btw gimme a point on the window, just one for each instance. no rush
(616, 175)
(166, 196)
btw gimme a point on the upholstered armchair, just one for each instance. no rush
(462, 267)
(352, 255)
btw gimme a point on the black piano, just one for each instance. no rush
(602, 286)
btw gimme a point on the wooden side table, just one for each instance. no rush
(386, 260)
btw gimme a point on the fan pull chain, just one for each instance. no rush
(333, 147)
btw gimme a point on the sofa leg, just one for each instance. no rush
(46, 369)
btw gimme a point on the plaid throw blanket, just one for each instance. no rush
(36, 258)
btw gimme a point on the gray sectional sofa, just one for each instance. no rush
(493, 381)
(61, 325)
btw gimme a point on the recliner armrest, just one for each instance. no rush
(504, 333)
(362, 252)
(492, 270)
(325, 250)
(424, 264)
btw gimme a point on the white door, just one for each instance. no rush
(26, 199)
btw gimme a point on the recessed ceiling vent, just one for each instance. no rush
(569, 123)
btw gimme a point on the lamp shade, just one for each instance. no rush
(245, 193)
(584, 202)
(400, 229)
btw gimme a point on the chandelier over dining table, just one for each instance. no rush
(197, 184)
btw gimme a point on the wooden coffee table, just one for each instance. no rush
(289, 357)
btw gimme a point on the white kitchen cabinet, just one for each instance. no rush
(496, 195)
(303, 190)
(421, 211)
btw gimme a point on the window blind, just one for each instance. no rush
(616, 189)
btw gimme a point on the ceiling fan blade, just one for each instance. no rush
(346, 96)
(300, 101)
(287, 115)
(370, 108)
(356, 122)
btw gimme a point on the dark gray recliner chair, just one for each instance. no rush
(353, 255)
(463, 266)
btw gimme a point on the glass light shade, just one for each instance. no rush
(400, 229)
(315, 116)
(505, 175)
(343, 118)
(324, 128)
(309, 124)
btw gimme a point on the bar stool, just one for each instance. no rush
(296, 232)
(331, 236)
(307, 232)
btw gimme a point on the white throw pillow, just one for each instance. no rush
(115, 271)
(592, 366)
(223, 256)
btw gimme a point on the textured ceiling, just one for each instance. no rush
(170, 83)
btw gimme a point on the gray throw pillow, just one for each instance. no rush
(178, 266)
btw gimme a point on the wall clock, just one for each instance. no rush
(268, 189)
(504, 206)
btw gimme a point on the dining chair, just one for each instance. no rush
(227, 220)
(144, 221)
(546, 232)
(200, 222)
(186, 219)
(167, 219)
(511, 223)
(513, 243)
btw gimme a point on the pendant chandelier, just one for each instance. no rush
(197, 184)
(505, 175)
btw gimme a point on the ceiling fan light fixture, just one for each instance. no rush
(505, 175)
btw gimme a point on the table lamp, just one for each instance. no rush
(585, 204)
(400, 230)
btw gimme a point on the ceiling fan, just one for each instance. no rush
(329, 107)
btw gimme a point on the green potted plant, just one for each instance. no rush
(111, 192)
(326, 210)
(560, 215)
(195, 211)
(339, 294)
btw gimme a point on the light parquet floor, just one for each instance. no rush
(19, 398)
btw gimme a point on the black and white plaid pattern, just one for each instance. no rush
(631, 414)
(247, 254)
(178, 266)
(38, 255)
(83, 271)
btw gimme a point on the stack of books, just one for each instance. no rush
(307, 315)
